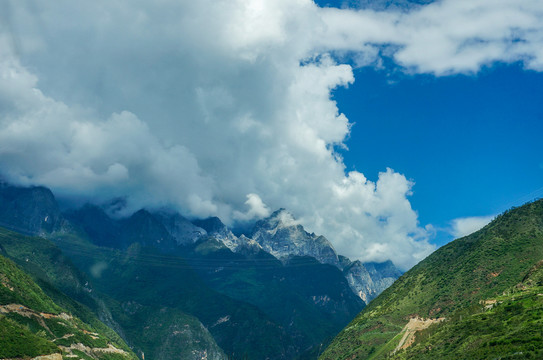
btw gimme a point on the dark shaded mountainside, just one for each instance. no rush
(478, 297)
(174, 289)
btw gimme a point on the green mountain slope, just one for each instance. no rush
(142, 280)
(310, 308)
(175, 336)
(31, 324)
(253, 305)
(449, 294)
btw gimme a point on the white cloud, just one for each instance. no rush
(446, 37)
(224, 108)
(43, 141)
(464, 226)
(257, 209)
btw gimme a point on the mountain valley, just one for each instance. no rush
(160, 286)
(174, 288)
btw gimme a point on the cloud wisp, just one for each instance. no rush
(224, 107)
(465, 226)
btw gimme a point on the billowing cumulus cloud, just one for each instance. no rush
(257, 209)
(224, 107)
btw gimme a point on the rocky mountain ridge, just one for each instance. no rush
(280, 234)
(283, 236)
(368, 280)
(164, 281)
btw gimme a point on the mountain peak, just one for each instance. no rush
(279, 219)
(215, 227)
(182, 230)
(146, 229)
(211, 225)
(282, 235)
(280, 212)
(284, 217)
(33, 210)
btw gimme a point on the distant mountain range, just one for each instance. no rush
(85, 285)
(171, 286)
(478, 297)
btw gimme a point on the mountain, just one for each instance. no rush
(368, 280)
(94, 221)
(251, 303)
(279, 235)
(32, 324)
(478, 297)
(309, 300)
(215, 228)
(181, 229)
(31, 210)
(176, 336)
(211, 290)
(282, 236)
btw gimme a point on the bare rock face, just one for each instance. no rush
(368, 280)
(219, 231)
(49, 357)
(282, 236)
(182, 230)
(248, 247)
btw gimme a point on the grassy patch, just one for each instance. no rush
(17, 341)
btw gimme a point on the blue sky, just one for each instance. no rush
(471, 143)
(237, 108)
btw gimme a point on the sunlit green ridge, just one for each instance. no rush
(498, 265)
